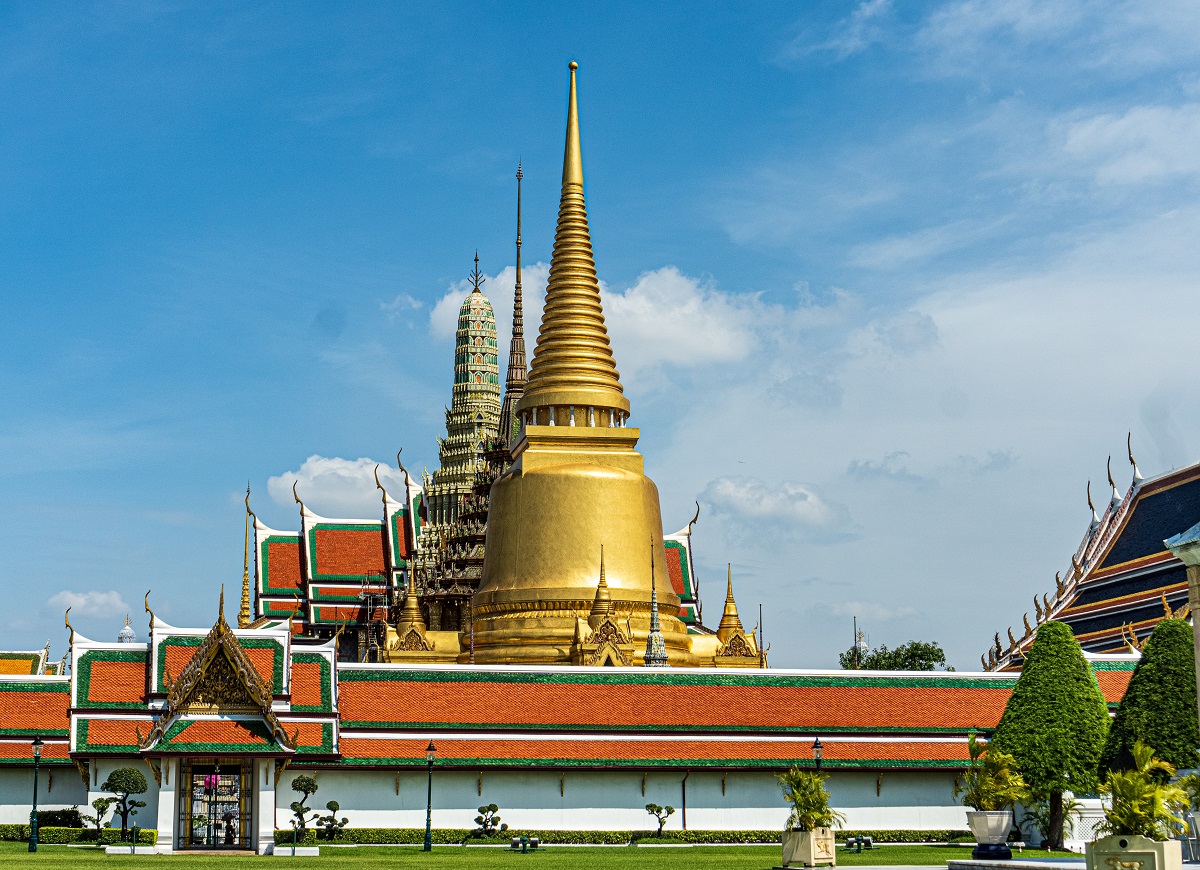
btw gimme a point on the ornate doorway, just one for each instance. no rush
(214, 806)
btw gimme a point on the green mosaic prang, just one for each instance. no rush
(349, 673)
(246, 643)
(655, 763)
(32, 658)
(326, 705)
(83, 677)
(265, 587)
(346, 527)
(82, 745)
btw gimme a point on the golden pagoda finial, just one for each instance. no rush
(244, 609)
(221, 605)
(476, 277)
(573, 365)
(602, 605)
(730, 623)
(146, 603)
(410, 615)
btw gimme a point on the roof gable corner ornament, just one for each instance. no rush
(1137, 474)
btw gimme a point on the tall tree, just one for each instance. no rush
(916, 655)
(1055, 722)
(1159, 707)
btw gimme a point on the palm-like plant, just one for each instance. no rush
(805, 792)
(1141, 803)
(991, 782)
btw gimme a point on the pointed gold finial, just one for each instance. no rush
(573, 365)
(296, 495)
(407, 478)
(1038, 614)
(730, 623)
(146, 604)
(1076, 568)
(1137, 475)
(1012, 641)
(1025, 619)
(410, 615)
(1046, 601)
(694, 519)
(379, 485)
(1059, 586)
(221, 604)
(602, 605)
(244, 609)
(476, 277)
(1095, 517)
(71, 628)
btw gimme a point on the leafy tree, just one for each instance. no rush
(916, 655)
(125, 782)
(101, 806)
(1159, 707)
(991, 782)
(1142, 803)
(489, 822)
(661, 814)
(307, 787)
(805, 791)
(1055, 722)
(331, 824)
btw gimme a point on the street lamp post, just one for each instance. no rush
(430, 754)
(817, 753)
(37, 761)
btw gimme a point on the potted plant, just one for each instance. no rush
(808, 835)
(990, 787)
(1146, 810)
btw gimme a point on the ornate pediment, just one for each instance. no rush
(738, 645)
(221, 679)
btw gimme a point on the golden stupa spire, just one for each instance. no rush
(602, 606)
(410, 616)
(573, 380)
(244, 610)
(731, 623)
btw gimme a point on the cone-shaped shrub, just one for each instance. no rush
(1055, 721)
(1159, 707)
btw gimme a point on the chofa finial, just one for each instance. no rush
(1137, 475)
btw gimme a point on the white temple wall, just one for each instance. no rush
(59, 788)
(612, 800)
(147, 816)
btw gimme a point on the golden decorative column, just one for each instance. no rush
(577, 482)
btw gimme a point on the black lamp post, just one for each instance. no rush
(430, 754)
(37, 761)
(817, 753)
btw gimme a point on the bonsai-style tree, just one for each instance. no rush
(804, 790)
(125, 782)
(1142, 803)
(489, 822)
(307, 787)
(916, 655)
(330, 823)
(1159, 707)
(101, 806)
(661, 814)
(1055, 722)
(991, 782)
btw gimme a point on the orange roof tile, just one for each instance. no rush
(30, 710)
(348, 552)
(20, 751)
(306, 684)
(116, 681)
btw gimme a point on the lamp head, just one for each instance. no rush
(816, 749)
(37, 747)
(431, 752)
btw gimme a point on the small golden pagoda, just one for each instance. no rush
(577, 482)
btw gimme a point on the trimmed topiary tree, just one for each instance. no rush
(1159, 707)
(125, 782)
(1055, 722)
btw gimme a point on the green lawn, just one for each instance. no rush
(448, 857)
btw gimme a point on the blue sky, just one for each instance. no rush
(887, 282)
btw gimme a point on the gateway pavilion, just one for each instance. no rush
(521, 609)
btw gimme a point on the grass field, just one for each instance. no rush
(453, 857)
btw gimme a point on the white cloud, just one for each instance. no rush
(499, 289)
(90, 603)
(668, 318)
(789, 507)
(335, 487)
(851, 35)
(1143, 144)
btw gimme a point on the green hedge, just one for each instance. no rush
(456, 836)
(54, 835)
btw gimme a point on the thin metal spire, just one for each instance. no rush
(244, 610)
(656, 644)
(514, 384)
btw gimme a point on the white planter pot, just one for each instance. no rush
(809, 848)
(990, 828)
(1131, 852)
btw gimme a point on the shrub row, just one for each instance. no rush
(55, 835)
(454, 836)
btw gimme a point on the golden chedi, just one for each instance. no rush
(577, 484)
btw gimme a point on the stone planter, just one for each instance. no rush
(810, 848)
(990, 830)
(1131, 852)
